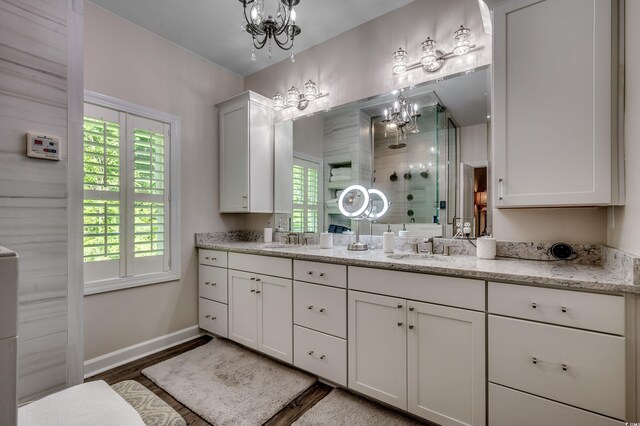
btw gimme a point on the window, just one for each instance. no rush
(130, 223)
(306, 192)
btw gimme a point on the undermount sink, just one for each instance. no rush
(411, 256)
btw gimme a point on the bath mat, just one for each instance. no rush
(153, 410)
(343, 408)
(226, 384)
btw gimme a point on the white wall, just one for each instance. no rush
(624, 230)
(473, 143)
(308, 135)
(127, 62)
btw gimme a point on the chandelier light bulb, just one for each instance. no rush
(399, 61)
(293, 16)
(293, 96)
(461, 41)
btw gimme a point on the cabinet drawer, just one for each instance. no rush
(508, 407)
(320, 273)
(274, 266)
(580, 368)
(459, 292)
(598, 312)
(320, 354)
(320, 308)
(212, 283)
(212, 258)
(212, 316)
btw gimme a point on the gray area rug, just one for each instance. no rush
(226, 384)
(343, 408)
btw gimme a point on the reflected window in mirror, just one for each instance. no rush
(306, 191)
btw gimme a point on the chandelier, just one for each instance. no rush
(265, 28)
(401, 117)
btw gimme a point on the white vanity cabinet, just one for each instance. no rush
(549, 345)
(320, 319)
(414, 355)
(555, 141)
(260, 305)
(212, 291)
(246, 154)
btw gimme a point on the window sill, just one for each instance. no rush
(104, 286)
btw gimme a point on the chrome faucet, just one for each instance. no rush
(293, 238)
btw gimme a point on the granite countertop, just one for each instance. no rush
(558, 274)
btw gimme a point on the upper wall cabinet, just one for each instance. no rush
(554, 109)
(246, 154)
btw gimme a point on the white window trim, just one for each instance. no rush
(321, 199)
(103, 286)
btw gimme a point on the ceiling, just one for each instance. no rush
(211, 28)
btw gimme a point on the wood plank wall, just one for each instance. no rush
(34, 96)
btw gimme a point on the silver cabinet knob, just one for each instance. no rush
(207, 316)
(310, 307)
(257, 291)
(321, 310)
(322, 274)
(309, 272)
(399, 306)
(258, 279)
(400, 324)
(564, 309)
(253, 278)
(534, 305)
(253, 290)
(411, 327)
(411, 308)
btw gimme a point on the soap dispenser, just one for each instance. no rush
(268, 233)
(404, 232)
(388, 240)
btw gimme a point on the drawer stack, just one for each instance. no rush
(564, 350)
(212, 290)
(320, 319)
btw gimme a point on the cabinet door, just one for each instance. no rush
(261, 157)
(243, 308)
(234, 158)
(553, 103)
(378, 347)
(446, 364)
(275, 317)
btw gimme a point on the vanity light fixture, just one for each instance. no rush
(297, 99)
(432, 59)
(265, 28)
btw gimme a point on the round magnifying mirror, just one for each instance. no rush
(353, 201)
(378, 205)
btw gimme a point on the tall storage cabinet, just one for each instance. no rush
(554, 76)
(246, 154)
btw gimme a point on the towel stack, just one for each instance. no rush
(340, 174)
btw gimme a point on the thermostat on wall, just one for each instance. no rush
(45, 147)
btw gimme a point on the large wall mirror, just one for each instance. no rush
(424, 147)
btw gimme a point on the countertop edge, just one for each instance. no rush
(560, 283)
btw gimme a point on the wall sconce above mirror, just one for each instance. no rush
(432, 59)
(296, 99)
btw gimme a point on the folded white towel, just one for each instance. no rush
(91, 403)
(340, 171)
(340, 178)
(332, 202)
(338, 193)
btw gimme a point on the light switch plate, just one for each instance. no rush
(42, 146)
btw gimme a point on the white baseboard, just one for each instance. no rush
(140, 350)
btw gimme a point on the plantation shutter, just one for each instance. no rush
(306, 184)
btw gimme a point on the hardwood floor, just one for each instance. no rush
(133, 371)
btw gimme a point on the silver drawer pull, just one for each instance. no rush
(564, 309)
(253, 290)
(209, 283)
(210, 258)
(564, 366)
(257, 291)
(322, 274)
(208, 316)
(312, 353)
(400, 324)
(534, 305)
(253, 278)
(213, 318)
(310, 307)
(309, 272)
(257, 279)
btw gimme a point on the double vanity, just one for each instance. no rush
(453, 340)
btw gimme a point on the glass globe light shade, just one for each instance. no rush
(278, 102)
(461, 41)
(429, 52)
(399, 64)
(293, 96)
(310, 91)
